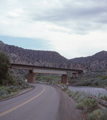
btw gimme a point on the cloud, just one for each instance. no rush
(73, 28)
(79, 45)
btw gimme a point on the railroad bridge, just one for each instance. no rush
(46, 70)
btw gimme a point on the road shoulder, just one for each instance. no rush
(67, 109)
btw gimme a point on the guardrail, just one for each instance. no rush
(60, 86)
(100, 101)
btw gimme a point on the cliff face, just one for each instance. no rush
(97, 62)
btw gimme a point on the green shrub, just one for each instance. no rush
(70, 94)
(2, 88)
(83, 102)
(65, 87)
(96, 82)
(98, 115)
(104, 77)
(11, 80)
(89, 105)
(103, 97)
(81, 98)
(90, 102)
(87, 82)
(4, 68)
(21, 82)
(68, 91)
(3, 92)
(80, 105)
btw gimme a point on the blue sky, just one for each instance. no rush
(26, 43)
(74, 28)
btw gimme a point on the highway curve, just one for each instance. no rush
(42, 103)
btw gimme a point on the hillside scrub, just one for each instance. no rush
(96, 62)
(89, 106)
(4, 68)
(16, 86)
(83, 102)
(10, 82)
(98, 115)
(90, 79)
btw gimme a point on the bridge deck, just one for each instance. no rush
(31, 67)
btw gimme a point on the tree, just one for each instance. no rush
(4, 67)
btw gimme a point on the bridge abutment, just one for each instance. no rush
(64, 79)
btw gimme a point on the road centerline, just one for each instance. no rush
(18, 106)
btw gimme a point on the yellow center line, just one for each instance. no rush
(14, 108)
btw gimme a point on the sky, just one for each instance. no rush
(73, 28)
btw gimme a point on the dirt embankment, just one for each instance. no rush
(67, 109)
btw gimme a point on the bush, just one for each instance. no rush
(98, 115)
(88, 82)
(4, 67)
(68, 91)
(89, 105)
(12, 81)
(74, 94)
(81, 98)
(103, 97)
(83, 102)
(90, 102)
(96, 82)
(80, 105)
(3, 92)
(104, 77)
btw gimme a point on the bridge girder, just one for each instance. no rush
(45, 70)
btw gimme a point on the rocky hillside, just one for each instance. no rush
(97, 62)
(33, 57)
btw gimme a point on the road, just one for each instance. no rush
(91, 90)
(39, 104)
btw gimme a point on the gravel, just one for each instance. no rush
(91, 90)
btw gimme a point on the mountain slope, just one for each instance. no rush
(97, 62)
(35, 57)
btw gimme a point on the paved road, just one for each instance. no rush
(90, 90)
(39, 104)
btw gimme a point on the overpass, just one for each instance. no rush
(46, 70)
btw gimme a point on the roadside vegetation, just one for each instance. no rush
(88, 105)
(95, 79)
(10, 82)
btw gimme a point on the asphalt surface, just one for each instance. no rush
(90, 90)
(42, 103)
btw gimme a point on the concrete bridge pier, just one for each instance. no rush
(64, 79)
(31, 77)
(74, 75)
